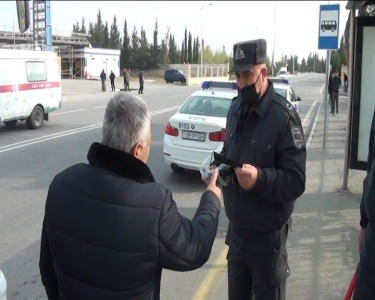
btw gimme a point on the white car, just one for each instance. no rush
(197, 129)
(3, 287)
(287, 92)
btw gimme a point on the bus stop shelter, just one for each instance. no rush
(361, 88)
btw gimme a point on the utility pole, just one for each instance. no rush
(274, 45)
(314, 61)
(203, 6)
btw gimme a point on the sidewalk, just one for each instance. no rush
(322, 247)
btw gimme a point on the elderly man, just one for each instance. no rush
(109, 228)
(264, 135)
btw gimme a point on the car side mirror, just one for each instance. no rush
(299, 99)
(23, 14)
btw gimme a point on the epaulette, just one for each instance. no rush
(285, 104)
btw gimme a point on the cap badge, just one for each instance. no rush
(240, 54)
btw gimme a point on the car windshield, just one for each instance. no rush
(282, 73)
(206, 106)
(282, 92)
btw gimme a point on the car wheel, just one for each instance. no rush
(11, 123)
(36, 119)
(177, 169)
(323, 29)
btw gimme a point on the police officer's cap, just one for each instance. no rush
(249, 53)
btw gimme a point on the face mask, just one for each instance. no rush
(249, 94)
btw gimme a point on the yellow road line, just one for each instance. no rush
(213, 276)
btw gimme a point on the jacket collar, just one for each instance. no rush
(119, 162)
(262, 105)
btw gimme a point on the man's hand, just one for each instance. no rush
(212, 184)
(247, 176)
(360, 238)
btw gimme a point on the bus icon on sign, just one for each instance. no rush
(328, 25)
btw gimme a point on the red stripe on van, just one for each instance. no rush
(9, 88)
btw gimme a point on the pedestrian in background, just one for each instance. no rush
(126, 80)
(141, 82)
(112, 77)
(335, 86)
(103, 78)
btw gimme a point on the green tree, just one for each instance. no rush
(155, 48)
(197, 51)
(125, 49)
(185, 47)
(190, 51)
(76, 28)
(134, 49)
(182, 59)
(105, 36)
(114, 35)
(194, 51)
(83, 26)
(97, 36)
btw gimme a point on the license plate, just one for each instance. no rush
(194, 136)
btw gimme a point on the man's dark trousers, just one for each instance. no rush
(140, 91)
(335, 102)
(257, 265)
(126, 84)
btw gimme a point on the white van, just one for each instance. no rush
(283, 73)
(30, 86)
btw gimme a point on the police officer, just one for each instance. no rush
(263, 134)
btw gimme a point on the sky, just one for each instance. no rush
(224, 23)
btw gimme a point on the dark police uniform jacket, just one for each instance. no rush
(270, 137)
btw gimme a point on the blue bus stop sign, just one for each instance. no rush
(329, 20)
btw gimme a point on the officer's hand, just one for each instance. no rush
(212, 184)
(247, 176)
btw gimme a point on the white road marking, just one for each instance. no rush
(68, 112)
(313, 127)
(305, 121)
(68, 132)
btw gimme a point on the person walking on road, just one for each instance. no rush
(264, 136)
(112, 77)
(109, 228)
(141, 82)
(126, 80)
(103, 78)
(365, 285)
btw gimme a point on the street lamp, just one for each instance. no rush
(274, 43)
(203, 6)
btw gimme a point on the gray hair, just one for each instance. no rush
(127, 121)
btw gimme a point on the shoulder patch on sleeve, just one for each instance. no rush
(297, 136)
